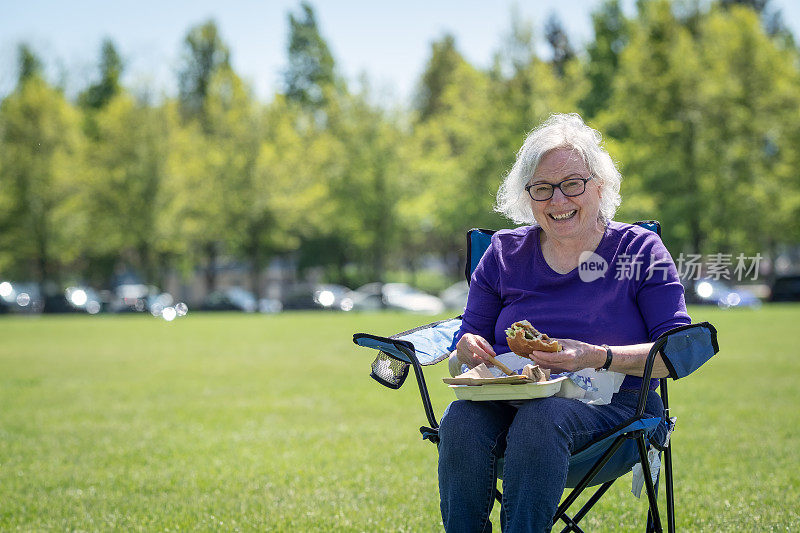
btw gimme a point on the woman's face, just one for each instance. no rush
(566, 217)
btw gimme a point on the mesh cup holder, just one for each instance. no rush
(389, 371)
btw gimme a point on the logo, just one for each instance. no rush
(591, 267)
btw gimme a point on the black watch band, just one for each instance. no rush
(609, 357)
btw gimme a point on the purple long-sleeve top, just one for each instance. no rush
(638, 297)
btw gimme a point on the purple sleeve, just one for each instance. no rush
(483, 301)
(659, 294)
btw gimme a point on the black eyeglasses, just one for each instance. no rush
(569, 187)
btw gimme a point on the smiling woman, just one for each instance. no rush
(566, 186)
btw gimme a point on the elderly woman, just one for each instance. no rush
(566, 187)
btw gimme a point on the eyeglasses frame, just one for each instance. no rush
(553, 188)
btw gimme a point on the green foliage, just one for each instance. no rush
(41, 150)
(30, 66)
(101, 92)
(204, 53)
(749, 130)
(706, 127)
(557, 38)
(362, 186)
(311, 65)
(698, 103)
(122, 187)
(442, 65)
(655, 115)
(610, 38)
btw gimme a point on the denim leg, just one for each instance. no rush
(472, 437)
(537, 439)
(539, 443)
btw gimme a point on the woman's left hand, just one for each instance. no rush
(574, 356)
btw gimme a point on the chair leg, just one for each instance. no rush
(571, 526)
(593, 500)
(670, 493)
(570, 499)
(651, 527)
(648, 483)
(572, 523)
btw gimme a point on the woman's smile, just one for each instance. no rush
(563, 216)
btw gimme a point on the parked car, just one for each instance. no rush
(230, 299)
(323, 296)
(718, 292)
(269, 305)
(299, 299)
(785, 289)
(74, 299)
(21, 297)
(331, 296)
(130, 297)
(368, 297)
(455, 296)
(400, 296)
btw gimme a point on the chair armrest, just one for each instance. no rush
(403, 352)
(687, 348)
(683, 349)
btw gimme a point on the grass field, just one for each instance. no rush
(239, 422)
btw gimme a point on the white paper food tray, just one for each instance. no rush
(509, 392)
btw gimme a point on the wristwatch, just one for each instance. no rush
(609, 357)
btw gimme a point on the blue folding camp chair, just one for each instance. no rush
(683, 349)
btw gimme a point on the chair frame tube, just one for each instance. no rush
(423, 388)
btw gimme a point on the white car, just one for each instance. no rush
(400, 296)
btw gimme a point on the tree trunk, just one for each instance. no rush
(211, 266)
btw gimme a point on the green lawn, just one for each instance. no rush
(236, 422)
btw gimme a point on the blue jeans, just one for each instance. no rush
(536, 438)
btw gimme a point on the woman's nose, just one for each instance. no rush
(558, 196)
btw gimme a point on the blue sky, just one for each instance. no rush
(390, 42)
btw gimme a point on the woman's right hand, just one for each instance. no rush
(473, 350)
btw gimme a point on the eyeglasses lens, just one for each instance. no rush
(572, 187)
(544, 191)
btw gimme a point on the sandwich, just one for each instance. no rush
(523, 339)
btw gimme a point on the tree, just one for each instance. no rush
(359, 166)
(751, 109)
(310, 73)
(30, 66)
(107, 87)
(756, 5)
(205, 68)
(449, 155)
(210, 164)
(558, 40)
(204, 54)
(289, 204)
(443, 62)
(610, 38)
(706, 124)
(459, 162)
(524, 91)
(253, 230)
(123, 186)
(655, 116)
(40, 146)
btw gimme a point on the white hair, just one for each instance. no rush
(559, 131)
